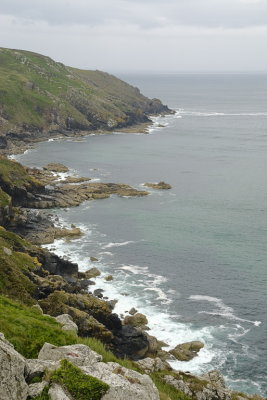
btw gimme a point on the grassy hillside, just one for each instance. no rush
(38, 94)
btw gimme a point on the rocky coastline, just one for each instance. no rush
(56, 288)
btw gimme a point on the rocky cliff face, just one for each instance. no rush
(40, 97)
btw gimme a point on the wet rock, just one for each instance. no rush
(56, 167)
(161, 185)
(93, 259)
(98, 293)
(187, 351)
(109, 278)
(133, 311)
(92, 273)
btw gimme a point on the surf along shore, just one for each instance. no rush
(60, 288)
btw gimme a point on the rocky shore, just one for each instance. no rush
(55, 287)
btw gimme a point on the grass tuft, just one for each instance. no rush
(78, 384)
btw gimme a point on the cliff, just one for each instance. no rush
(40, 97)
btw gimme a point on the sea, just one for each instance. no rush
(193, 259)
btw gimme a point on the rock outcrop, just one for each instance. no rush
(187, 351)
(12, 381)
(161, 185)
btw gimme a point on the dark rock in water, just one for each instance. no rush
(133, 311)
(130, 342)
(56, 167)
(93, 259)
(98, 293)
(161, 185)
(109, 278)
(92, 273)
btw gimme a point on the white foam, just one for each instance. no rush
(181, 112)
(222, 311)
(118, 244)
(134, 269)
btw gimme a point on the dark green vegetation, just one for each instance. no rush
(15, 265)
(38, 94)
(79, 385)
(28, 330)
(14, 177)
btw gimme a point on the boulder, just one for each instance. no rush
(215, 378)
(12, 382)
(161, 185)
(93, 259)
(137, 320)
(124, 383)
(56, 167)
(67, 323)
(36, 388)
(187, 351)
(36, 368)
(92, 273)
(179, 384)
(109, 278)
(154, 346)
(56, 392)
(77, 354)
(130, 342)
(133, 311)
(149, 365)
(37, 308)
(98, 293)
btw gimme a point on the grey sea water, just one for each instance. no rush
(192, 258)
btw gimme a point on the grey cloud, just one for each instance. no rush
(145, 14)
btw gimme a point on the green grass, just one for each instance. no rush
(44, 395)
(4, 199)
(39, 93)
(28, 330)
(15, 265)
(78, 384)
(13, 175)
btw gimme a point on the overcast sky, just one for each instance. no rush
(141, 35)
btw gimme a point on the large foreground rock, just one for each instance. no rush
(124, 383)
(12, 365)
(77, 354)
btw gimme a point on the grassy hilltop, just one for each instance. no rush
(38, 94)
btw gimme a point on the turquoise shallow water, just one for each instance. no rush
(193, 258)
